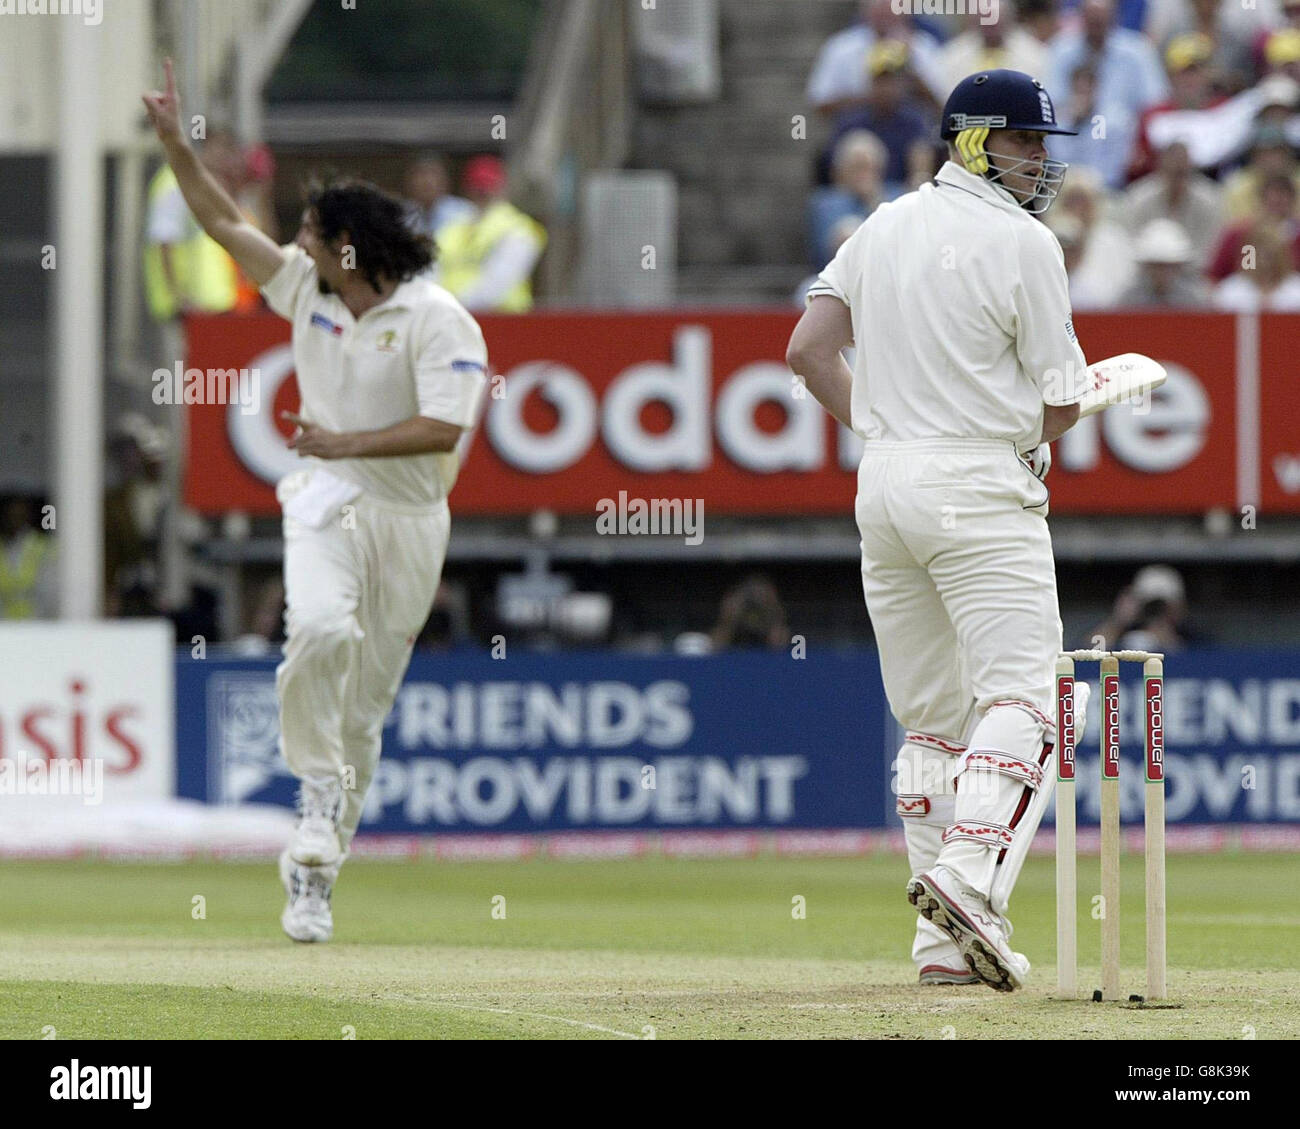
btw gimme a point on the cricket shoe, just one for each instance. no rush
(307, 915)
(966, 916)
(933, 974)
(316, 841)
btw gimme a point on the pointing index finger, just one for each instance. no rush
(171, 77)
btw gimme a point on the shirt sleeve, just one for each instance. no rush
(1042, 321)
(837, 277)
(927, 52)
(451, 369)
(509, 263)
(821, 82)
(295, 278)
(167, 216)
(1155, 83)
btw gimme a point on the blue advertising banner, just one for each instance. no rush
(564, 742)
(575, 741)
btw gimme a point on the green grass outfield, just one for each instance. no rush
(674, 948)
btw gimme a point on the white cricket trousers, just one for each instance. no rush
(960, 584)
(358, 591)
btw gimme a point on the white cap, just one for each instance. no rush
(1067, 227)
(1163, 241)
(1277, 90)
(1158, 582)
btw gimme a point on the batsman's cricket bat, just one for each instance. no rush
(1117, 380)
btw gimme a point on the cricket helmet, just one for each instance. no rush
(1000, 99)
(1003, 99)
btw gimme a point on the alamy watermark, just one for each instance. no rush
(677, 517)
(61, 777)
(180, 385)
(92, 11)
(987, 10)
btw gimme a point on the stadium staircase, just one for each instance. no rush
(743, 180)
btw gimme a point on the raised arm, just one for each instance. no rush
(258, 256)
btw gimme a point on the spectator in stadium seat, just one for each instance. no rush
(889, 112)
(1282, 53)
(1069, 233)
(1271, 153)
(1277, 99)
(1129, 80)
(857, 188)
(1129, 14)
(924, 160)
(28, 585)
(1180, 193)
(983, 46)
(1165, 258)
(1105, 268)
(487, 260)
(1040, 18)
(1104, 131)
(1276, 208)
(1232, 27)
(752, 616)
(1271, 284)
(1289, 20)
(427, 186)
(1187, 60)
(839, 235)
(840, 79)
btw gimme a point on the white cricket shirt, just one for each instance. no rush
(961, 316)
(419, 353)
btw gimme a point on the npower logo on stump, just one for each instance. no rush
(702, 404)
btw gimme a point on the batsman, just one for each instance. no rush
(391, 370)
(966, 367)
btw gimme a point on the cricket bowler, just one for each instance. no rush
(966, 367)
(391, 370)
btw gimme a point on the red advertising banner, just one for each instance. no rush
(700, 404)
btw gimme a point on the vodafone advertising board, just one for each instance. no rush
(692, 404)
(86, 712)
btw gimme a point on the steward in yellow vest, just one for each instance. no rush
(203, 276)
(487, 260)
(25, 555)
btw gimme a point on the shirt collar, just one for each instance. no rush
(952, 173)
(400, 299)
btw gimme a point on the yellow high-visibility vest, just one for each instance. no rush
(464, 245)
(204, 273)
(17, 582)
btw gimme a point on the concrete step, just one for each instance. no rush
(756, 18)
(758, 283)
(743, 179)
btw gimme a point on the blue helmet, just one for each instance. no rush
(1000, 100)
(1004, 100)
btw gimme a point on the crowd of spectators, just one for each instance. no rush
(1185, 174)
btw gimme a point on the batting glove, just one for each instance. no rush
(1039, 460)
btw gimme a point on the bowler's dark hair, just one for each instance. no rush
(377, 226)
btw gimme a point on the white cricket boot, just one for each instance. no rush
(320, 802)
(965, 915)
(307, 915)
(936, 974)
